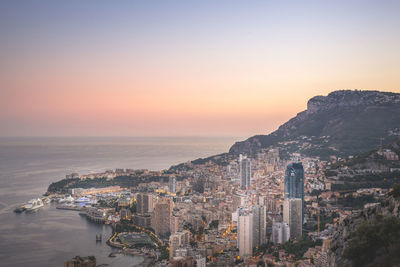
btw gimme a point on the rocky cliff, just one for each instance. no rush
(345, 122)
(357, 232)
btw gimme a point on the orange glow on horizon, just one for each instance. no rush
(151, 69)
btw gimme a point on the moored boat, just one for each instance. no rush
(33, 204)
(19, 209)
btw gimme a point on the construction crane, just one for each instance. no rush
(319, 221)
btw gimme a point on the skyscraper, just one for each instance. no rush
(259, 224)
(162, 216)
(245, 232)
(294, 182)
(280, 232)
(245, 173)
(292, 215)
(172, 185)
(174, 224)
(144, 203)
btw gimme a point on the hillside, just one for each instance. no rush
(376, 168)
(343, 123)
(369, 237)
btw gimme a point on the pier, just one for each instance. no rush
(69, 207)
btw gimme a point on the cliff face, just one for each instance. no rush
(349, 122)
(349, 98)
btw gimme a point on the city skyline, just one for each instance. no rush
(199, 133)
(182, 69)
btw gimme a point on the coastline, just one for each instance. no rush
(29, 177)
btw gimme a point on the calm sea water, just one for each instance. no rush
(49, 237)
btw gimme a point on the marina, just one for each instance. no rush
(50, 236)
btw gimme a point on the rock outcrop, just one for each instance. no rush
(350, 122)
(350, 223)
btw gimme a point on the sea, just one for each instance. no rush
(49, 237)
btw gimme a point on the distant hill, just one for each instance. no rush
(345, 122)
(377, 159)
(376, 168)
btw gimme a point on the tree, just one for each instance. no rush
(300, 247)
(118, 228)
(214, 224)
(395, 191)
(372, 238)
(133, 207)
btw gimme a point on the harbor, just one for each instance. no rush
(33, 239)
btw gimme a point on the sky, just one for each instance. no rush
(185, 68)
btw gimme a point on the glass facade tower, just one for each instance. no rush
(294, 181)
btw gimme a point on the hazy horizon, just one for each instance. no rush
(122, 136)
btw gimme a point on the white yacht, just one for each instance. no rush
(34, 204)
(66, 199)
(70, 199)
(92, 201)
(82, 199)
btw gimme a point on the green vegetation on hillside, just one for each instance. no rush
(355, 202)
(301, 246)
(375, 243)
(370, 180)
(396, 191)
(352, 121)
(60, 186)
(64, 185)
(325, 218)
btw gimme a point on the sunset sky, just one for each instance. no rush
(229, 68)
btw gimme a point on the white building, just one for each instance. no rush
(292, 215)
(280, 232)
(245, 232)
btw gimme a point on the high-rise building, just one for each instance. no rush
(162, 215)
(172, 185)
(177, 240)
(280, 232)
(174, 224)
(245, 173)
(294, 182)
(144, 203)
(292, 215)
(142, 220)
(239, 200)
(259, 224)
(245, 232)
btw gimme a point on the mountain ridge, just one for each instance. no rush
(344, 122)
